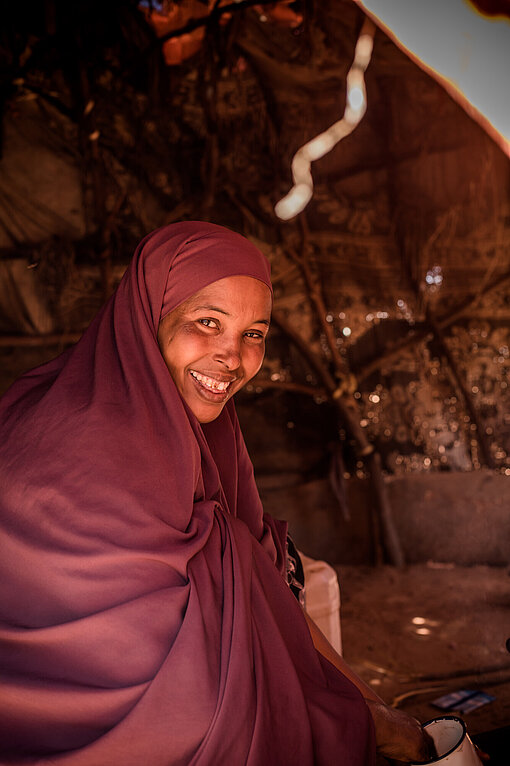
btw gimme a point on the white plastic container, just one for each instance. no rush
(322, 599)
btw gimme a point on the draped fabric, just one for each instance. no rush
(144, 617)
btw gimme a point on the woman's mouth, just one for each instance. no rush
(211, 385)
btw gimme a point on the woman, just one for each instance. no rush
(144, 614)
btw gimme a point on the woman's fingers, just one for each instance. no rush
(400, 736)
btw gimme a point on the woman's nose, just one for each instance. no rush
(228, 353)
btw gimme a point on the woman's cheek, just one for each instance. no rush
(257, 359)
(194, 342)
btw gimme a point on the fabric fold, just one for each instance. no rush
(144, 616)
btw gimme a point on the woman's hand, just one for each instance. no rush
(398, 735)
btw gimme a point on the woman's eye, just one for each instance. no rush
(255, 335)
(208, 322)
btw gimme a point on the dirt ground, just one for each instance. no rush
(457, 640)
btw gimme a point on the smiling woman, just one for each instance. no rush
(145, 615)
(213, 344)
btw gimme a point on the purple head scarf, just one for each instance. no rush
(144, 618)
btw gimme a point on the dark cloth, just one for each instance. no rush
(144, 614)
(295, 571)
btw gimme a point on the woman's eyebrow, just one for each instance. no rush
(208, 307)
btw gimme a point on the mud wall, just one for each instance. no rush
(461, 518)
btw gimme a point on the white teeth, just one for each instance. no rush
(214, 385)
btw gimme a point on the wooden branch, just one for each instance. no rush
(314, 290)
(465, 394)
(413, 338)
(38, 341)
(345, 405)
(179, 212)
(285, 385)
(417, 336)
(346, 408)
(313, 360)
(239, 203)
(458, 312)
(390, 536)
(283, 275)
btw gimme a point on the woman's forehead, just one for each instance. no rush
(232, 294)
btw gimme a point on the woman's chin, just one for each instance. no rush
(206, 411)
(204, 404)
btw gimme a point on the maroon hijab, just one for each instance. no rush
(144, 618)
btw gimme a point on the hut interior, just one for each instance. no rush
(379, 426)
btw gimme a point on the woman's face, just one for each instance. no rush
(214, 342)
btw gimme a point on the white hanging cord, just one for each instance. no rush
(356, 103)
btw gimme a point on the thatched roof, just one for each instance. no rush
(417, 183)
(392, 286)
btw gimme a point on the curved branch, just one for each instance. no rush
(346, 409)
(443, 322)
(283, 385)
(38, 341)
(311, 357)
